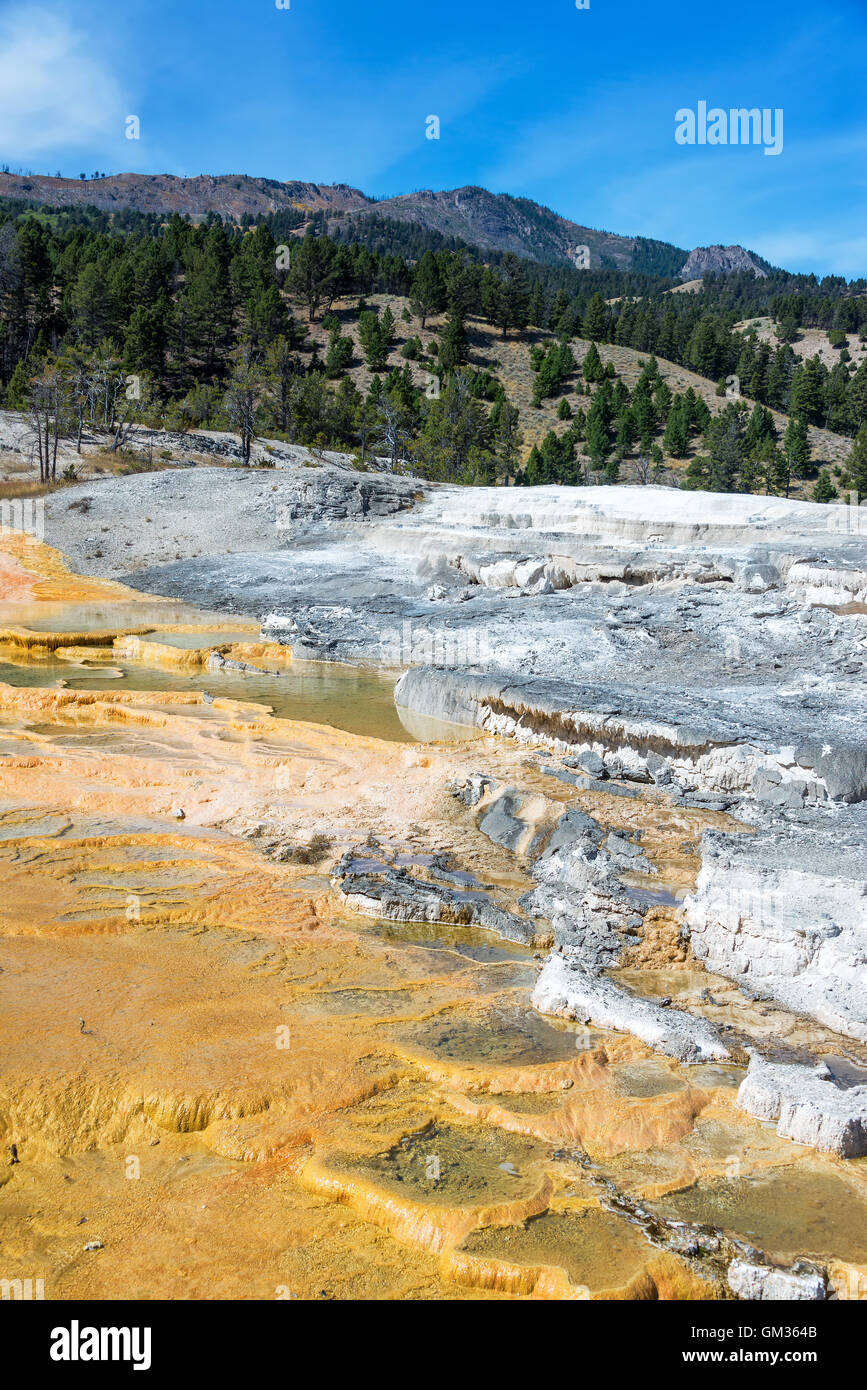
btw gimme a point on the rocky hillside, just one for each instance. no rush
(721, 260)
(491, 221)
(499, 222)
(231, 195)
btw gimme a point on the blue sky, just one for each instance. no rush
(574, 108)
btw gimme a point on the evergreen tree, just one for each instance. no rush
(596, 319)
(780, 375)
(796, 446)
(807, 396)
(90, 306)
(644, 414)
(374, 336)
(856, 399)
(725, 446)
(856, 464)
(506, 435)
(662, 398)
(340, 353)
(312, 271)
(243, 398)
(454, 345)
(625, 434)
(511, 298)
(591, 367)
(675, 439)
(824, 491)
(536, 314)
(533, 470)
(427, 295)
(759, 427)
(597, 442)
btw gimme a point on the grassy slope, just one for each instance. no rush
(510, 360)
(811, 342)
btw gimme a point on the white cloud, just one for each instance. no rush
(55, 91)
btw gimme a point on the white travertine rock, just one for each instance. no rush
(807, 1106)
(762, 1282)
(564, 990)
(785, 910)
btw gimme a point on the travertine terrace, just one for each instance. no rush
(417, 892)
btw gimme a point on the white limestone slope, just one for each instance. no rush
(786, 912)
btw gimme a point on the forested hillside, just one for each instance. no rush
(375, 336)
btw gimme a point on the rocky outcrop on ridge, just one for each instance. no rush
(720, 260)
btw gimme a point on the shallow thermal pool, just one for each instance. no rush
(809, 1210)
(357, 701)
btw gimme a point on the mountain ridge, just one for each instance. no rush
(502, 222)
(227, 194)
(494, 222)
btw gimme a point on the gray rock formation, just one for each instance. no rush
(378, 886)
(720, 260)
(804, 1283)
(698, 741)
(565, 990)
(808, 1106)
(785, 910)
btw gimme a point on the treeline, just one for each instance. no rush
(738, 450)
(176, 304)
(106, 321)
(192, 328)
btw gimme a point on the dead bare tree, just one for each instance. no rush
(243, 397)
(394, 428)
(106, 383)
(642, 468)
(46, 402)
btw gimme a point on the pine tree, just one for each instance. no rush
(666, 343)
(339, 354)
(780, 375)
(644, 414)
(856, 464)
(807, 396)
(16, 391)
(506, 435)
(533, 470)
(312, 271)
(90, 306)
(597, 442)
(662, 398)
(824, 491)
(675, 439)
(591, 367)
(596, 319)
(427, 295)
(511, 299)
(626, 434)
(536, 307)
(724, 440)
(454, 346)
(372, 339)
(243, 398)
(856, 399)
(796, 446)
(760, 426)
